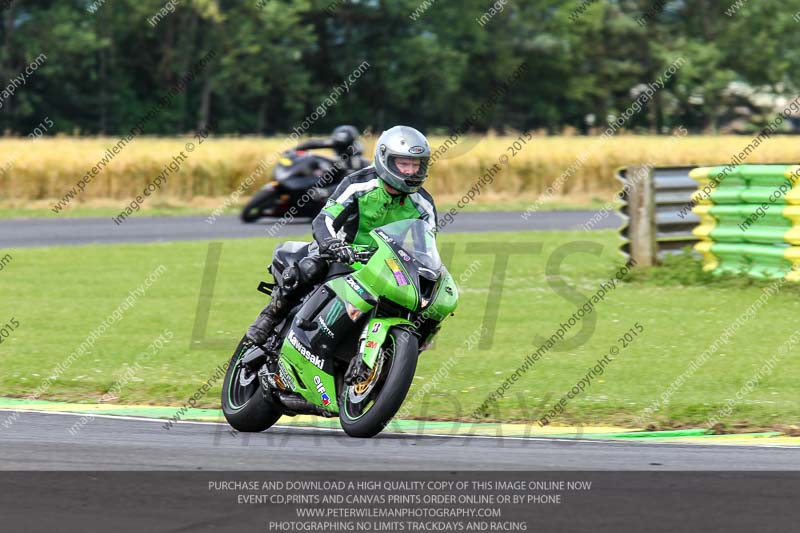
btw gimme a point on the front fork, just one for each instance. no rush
(369, 347)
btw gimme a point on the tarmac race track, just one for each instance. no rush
(43, 441)
(20, 233)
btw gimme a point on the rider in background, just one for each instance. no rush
(387, 191)
(344, 142)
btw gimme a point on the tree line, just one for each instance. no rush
(430, 63)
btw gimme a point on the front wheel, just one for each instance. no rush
(365, 408)
(263, 203)
(243, 403)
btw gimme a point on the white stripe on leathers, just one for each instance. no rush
(354, 188)
(421, 201)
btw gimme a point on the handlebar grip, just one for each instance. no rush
(360, 255)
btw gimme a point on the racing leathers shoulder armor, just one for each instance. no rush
(361, 203)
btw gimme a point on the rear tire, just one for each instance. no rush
(244, 406)
(390, 391)
(258, 203)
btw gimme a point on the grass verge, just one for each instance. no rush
(59, 295)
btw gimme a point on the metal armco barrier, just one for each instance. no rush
(656, 218)
(750, 219)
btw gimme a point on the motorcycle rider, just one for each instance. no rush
(344, 142)
(387, 191)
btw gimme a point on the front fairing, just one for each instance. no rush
(390, 278)
(406, 268)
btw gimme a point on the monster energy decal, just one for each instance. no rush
(334, 312)
(324, 327)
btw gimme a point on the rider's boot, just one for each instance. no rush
(260, 330)
(295, 282)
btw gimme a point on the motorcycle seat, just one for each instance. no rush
(289, 253)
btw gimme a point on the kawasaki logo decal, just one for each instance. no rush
(305, 352)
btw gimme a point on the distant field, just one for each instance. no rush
(35, 173)
(78, 287)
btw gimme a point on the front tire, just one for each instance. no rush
(367, 417)
(243, 402)
(260, 202)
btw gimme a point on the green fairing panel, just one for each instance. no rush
(319, 389)
(376, 335)
(344, 291)
(378, 278)
(445, 300)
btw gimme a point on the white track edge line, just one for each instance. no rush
(435, 435)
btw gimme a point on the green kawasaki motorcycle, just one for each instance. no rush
(351, 346)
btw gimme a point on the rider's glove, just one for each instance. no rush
(340, 250)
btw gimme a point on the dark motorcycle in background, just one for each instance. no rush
(306, 180)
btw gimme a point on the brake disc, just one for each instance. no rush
(244, 379)
(358, 392)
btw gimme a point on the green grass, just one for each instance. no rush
(59, 295)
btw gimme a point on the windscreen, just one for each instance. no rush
(415, 238)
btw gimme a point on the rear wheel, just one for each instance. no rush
(263, 203)
(367, 407)
(243, 403)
